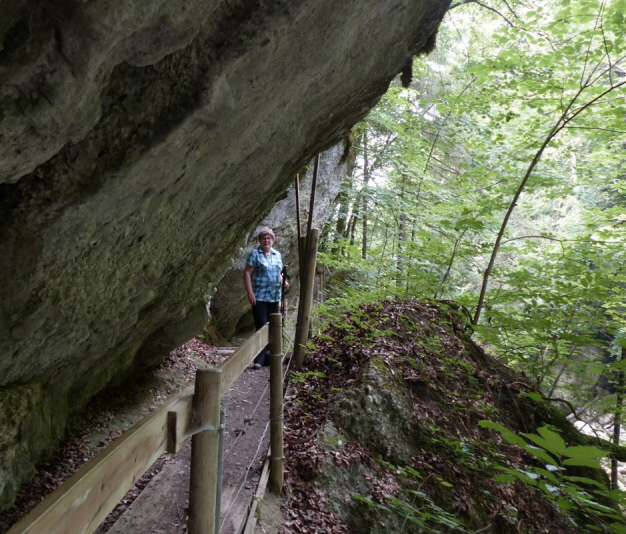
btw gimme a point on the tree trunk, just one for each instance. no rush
(366, 179)
(564, 119)
(617, 419)
(401, 237)
(342, 214)
(354, 219)
(450, 263)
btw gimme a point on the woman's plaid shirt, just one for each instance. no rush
(266, 282)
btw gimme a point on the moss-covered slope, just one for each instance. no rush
(383, 433)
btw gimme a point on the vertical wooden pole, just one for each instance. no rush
(220, 471)
(298, 207)
(316, 167)
(203, 486)
(302, 261)
(276, 403)
(306, 299)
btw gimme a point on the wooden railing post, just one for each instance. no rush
(276, 403)
(203, 486)
(306, 299)
(302, 261)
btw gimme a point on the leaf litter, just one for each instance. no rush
(453, 384)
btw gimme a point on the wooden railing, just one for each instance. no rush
(81, 504)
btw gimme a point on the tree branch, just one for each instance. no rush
(597, 441)
(594, 128)
(463, 2)
(563, 240)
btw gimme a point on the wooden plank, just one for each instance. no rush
(86, 498)
(179, 421)
(233, 366)
(247, 527)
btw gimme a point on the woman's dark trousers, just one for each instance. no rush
(261, 313)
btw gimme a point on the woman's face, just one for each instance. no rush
(266, 241)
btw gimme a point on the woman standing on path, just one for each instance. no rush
(263, 279)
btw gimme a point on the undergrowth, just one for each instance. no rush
(450, 482)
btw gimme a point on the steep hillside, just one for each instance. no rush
(383, 434)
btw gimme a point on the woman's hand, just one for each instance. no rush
(247, 282)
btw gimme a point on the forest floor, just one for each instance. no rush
(159, 501)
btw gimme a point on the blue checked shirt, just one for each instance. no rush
(266, 282)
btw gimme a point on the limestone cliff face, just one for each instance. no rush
(140, 142)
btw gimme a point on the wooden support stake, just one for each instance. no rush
(302, 261)
(316, 167)
(203, 486)
(306, 299)
(297, 186)
(276, 403)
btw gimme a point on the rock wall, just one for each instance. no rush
(230, 310)
(140, 141)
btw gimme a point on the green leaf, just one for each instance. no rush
(564, 504)
(581, 451)
(444, 483)
(617, 495)
(540, 453)
(583, 462)
(506, 434)
(585, 480)
(555, 442)
(547, 474)
(539, 440)
(412, 471)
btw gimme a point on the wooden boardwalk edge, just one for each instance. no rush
(249, 523)
(87, 497)
(247, 526)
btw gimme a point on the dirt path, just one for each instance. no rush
(161, 508)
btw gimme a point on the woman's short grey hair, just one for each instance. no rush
(265, 231)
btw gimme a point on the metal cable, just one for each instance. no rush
(245, 479)
(257, 450)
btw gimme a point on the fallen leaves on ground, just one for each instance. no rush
(452, 389)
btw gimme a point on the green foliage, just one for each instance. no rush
(300, 377)
(592, 507)
(539, 97)
(413, 507)
(445, 158)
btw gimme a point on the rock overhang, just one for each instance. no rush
(140, 143)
